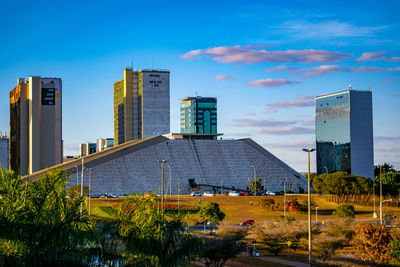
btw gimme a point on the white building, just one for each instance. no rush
(104, 143)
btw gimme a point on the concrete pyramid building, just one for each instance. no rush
(134, 167)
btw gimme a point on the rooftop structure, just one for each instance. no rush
(133, 167)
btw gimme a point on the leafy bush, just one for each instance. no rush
(268, 203)
(232, 231)
(292, 205)
(371, 242)
(282, 218)
(344, 211)
(395, 247)
(212, 213)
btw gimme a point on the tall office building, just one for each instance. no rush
(4, 150)
(87, 149)
(344, 133)
(104, 143)
(35, 124)
(141, 105)
(199, 115)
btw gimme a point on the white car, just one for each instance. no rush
(196, 194)
(233, 194)
(208, 194)
(269, 193)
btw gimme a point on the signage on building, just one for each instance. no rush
(48, 96)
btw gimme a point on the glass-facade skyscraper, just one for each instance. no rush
(199, 115)
(344, 133)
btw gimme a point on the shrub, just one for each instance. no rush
(334, 236)
(232, 231)
(292, 205)
(371, 242)
(344, 211)
(395, 247)
(282, 218)
(268, 203)
(275, 236)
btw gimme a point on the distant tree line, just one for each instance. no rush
(357, 189)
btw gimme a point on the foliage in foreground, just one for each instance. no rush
(212, 213)
(371, 243)
(150, 239)
(224, 247)
(39, 226)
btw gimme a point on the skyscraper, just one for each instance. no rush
(141, 105)
(87, 149)
(35, 124)
(344, 133)
(104, 143)
(4, 150)
(199, 115)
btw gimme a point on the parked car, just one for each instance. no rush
(233, 194)
(269, 193)
(243, 193)
(208, 194)
(247, 222)
(109, 195)
(198, 222)
(196, 194)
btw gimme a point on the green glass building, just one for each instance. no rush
(199, 115)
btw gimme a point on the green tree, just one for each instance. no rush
(212, 213)
(386, 167)
(39, 226)
(150, 239)
(255, 186)
(390, 183)
(344, 211)
(75, 190)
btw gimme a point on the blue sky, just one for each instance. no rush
(264, 61)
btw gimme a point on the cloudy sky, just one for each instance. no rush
(264, 61)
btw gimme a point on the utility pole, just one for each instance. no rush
(82, 184)
(380, 189)
(90, 190)
(162, 186)
(308, 150)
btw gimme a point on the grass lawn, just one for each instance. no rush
(239, 208)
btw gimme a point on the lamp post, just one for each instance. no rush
(381, 208)
(374, 215)
(316, 214)
(77, 175)
(179, 179)
(308, 150)
(82, 184)
(284, 197)
(326, 169)
(255, 174)
(90, 190)
(169, 181)
(162, 186)
(380, 189)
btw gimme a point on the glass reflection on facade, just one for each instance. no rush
(199, 115)
(343, 126)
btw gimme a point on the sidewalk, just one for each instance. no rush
(281, 261)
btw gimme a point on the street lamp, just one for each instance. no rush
(326, 169)
(77, 175)
(162, 186)
(82, 184)
(316, 214)
(169, 181)
(284, 197)
(179, 180)
(90, 190)
(374, 215)
(308, 150)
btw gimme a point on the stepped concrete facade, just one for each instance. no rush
(133, 167)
